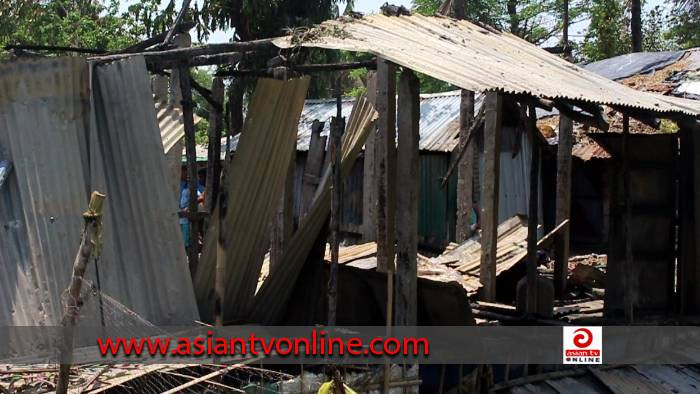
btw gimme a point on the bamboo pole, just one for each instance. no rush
(88, 244)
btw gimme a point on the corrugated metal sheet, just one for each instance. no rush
(621, 379)
(171, 125)
(436, 209)
(466, 258)
(43, 118)
(514, 179)
(143, 263)
(589, 150)
(623, 66)
(172, 128)
(60, 153)
(479, 59)
(273, 296)
(255, 181)
(439, 119)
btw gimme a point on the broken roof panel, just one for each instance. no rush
(254, 187)
(479, 59)
(623, 66)
(273, 295)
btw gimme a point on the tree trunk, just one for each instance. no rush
(636, 25)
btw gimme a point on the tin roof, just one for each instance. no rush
(479, 59)
(439, 119)
(171, 125)
(619, 379)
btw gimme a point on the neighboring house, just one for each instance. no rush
(439, 135)
(670, 73)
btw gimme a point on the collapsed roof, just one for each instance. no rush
(480, 59)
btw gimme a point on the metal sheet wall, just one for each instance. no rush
(43, 118)
(60, 152)
(143, 260)
(436, 206)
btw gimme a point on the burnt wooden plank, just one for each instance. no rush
(563, 202)
(407, 200)
(493, 105)
(385, 151)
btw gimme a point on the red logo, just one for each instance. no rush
(583, 337)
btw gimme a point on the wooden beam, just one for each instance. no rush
(532, 216)
(207, 95)
(563, 202)
(304, 68)
(407, 201)
(628, 281)
(385, 161)
(312, 168)
(216, 125)
(53, 48)
(385, 149)
(369, 209)
(183, 10)
(337, 127)
(493, 106)
(465, 170)
(157, 39)
(191, 157)
(179, 54)
(597, 119)
(462, 148)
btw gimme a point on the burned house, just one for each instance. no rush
(79, 124)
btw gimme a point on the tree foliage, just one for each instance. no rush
(685, 23)
(76, 23)
(608, 34)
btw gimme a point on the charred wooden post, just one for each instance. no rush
(385, 156)
(563, 204)
(465, 168)
(337, 127)
(407, 200)
(88, 243)
(191, 156)
(313, 166)
(385, 161)
(628, 283)
(369, 209)
(493, 105)
(532, 212)
(216, 125)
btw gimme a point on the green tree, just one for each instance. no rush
(685, 22)
(255, 19)
(655, 32)
(607, 34)
(76, 23)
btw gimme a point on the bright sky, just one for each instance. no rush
(576, 30)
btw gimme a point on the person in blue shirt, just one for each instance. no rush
(184, 203)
